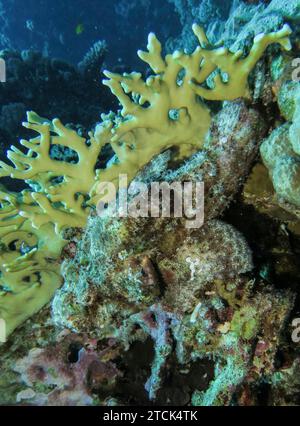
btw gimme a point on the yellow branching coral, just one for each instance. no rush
(31, 222)
(166, 110)
(231, 79)
(61, 186)
(29, 268)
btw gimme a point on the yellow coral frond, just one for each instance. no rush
(28, 257)
(236, 69)
(153, 56)
(165, 110)
(60, 202)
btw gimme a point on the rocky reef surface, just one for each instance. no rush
(234, 21)
(152, 312)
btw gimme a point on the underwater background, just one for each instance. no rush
(143, 310)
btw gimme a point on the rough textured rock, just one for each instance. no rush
(234, 21)
(280, 153)
(99, 266)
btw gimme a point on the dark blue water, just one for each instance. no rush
(50, 26)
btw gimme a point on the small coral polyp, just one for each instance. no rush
(165, 111)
